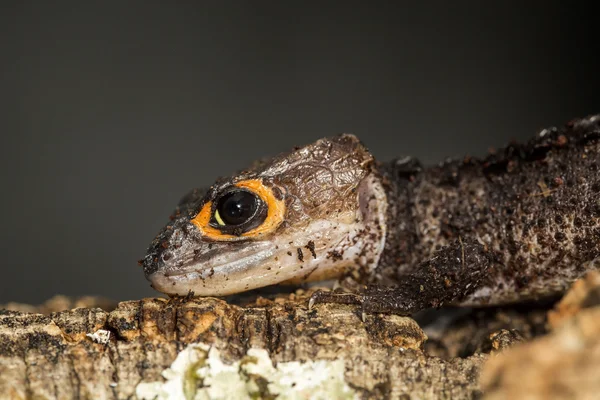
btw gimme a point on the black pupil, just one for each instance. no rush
(237, 207)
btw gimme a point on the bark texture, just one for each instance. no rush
(562, 365)
(52, 356)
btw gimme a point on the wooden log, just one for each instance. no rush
(131, 351)
(53, 356)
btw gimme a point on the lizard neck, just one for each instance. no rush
(401, 241)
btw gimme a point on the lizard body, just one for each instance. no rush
(522, 223)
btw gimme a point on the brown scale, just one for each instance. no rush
(521, 224)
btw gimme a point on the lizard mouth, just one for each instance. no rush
(208, 279)
(231, 261)
(315, 253)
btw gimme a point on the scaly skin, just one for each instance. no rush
(522, 223)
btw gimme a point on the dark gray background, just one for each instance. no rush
(111, 111)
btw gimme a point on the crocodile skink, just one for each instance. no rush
(522, 223)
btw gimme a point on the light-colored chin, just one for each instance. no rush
(323, 249)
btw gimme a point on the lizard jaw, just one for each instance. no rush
(323, 249)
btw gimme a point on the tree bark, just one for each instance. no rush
(57, 356)
(50, 356)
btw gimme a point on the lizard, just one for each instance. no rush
(521, 223)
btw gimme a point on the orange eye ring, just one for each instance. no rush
(275, 212)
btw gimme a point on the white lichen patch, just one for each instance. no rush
(101, 336)
(198, 373)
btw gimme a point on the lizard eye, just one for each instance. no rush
(238, 210)
(246, 209)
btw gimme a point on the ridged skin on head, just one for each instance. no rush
(334, 219)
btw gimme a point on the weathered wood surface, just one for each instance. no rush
(562, 365)
(51, 357)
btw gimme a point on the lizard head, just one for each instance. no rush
(311, 214)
